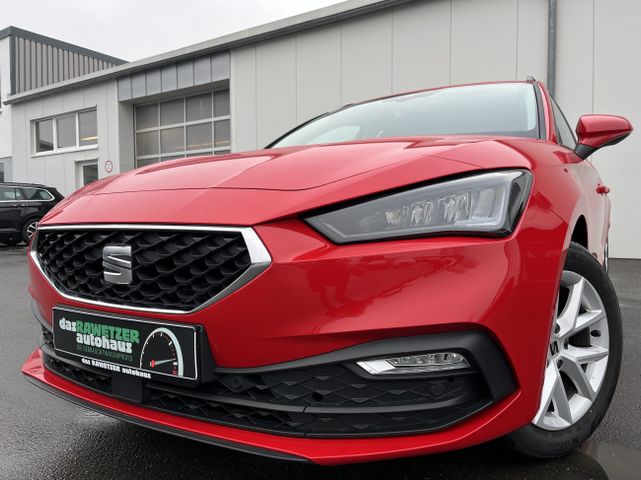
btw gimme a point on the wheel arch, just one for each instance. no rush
(580, 232)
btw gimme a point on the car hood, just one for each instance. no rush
(254, 187)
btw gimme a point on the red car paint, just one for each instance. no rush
(598, 130)
(318, 297)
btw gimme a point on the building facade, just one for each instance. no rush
(29, 61)
(243, 90)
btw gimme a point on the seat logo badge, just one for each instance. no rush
(117, 263)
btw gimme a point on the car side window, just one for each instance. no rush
(37, 194)
(7, 194)
(563, 131)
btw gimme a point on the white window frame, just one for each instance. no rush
(184, 153)
(54, 119)
(80, 177)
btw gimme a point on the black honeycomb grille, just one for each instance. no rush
(336, 385)
(325, 401)
(317, 421)
(90, 379)
(174, 270)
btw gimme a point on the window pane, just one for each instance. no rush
(89, 173)
(146, 161)
(564, 132)
(199, 136)
(146, 116)
(147, 143)
(66, 128)
(172, 112)
(172, 140)
(495, 109)
(36, 194)
(222, 133)
(199, 108)
(2, 172)
(88, 125)
(7, 193)
(222, 152)
(44, 136)
(221, 103)
(171, 157)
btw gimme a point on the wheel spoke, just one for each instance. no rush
(583, 355)
(568, 319)
(549, 383)
(561, 403)
(580, 379)
(588, 318)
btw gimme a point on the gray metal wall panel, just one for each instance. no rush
(367, 58)
(421, 46)
(275, 88)
(153, 82)
(168, 78)
(124, 88)
(220, 67)
(617, 67)
(202, 70)
(484, 40)
(186, 74)
(138, 87)
(243, 98)
(318, 81)
(38, 64)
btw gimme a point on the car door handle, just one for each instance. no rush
(602, 190)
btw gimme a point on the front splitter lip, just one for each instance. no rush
(325, 452)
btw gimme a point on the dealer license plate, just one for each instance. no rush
(124, 345)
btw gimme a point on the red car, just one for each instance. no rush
(408, 275)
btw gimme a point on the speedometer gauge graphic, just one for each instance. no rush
(161, 353)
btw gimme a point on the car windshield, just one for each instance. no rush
(506, 109)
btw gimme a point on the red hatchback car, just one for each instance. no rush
(408, 275)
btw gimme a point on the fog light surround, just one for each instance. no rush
(416, 363)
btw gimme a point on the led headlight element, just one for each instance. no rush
(409, 364)
(487, 203)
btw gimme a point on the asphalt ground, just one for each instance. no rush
(44, 437)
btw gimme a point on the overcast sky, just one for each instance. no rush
(133, 29)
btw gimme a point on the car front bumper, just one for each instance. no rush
(317, 298)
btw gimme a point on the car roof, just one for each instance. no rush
(23, 184)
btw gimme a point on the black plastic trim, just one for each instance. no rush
(165, 429)
(584, 151)
(38, 315)
(540, 110)
(478, 348)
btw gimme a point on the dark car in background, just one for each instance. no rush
(22, 205)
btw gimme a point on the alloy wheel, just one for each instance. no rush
(577, 356)
(31, 229)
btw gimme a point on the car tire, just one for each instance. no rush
(550, 437)
(28, 229)
(10, 242)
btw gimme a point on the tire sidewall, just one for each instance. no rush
(535, 441)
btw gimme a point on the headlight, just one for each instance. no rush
(483, 204)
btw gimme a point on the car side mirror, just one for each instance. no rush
(597, 131)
